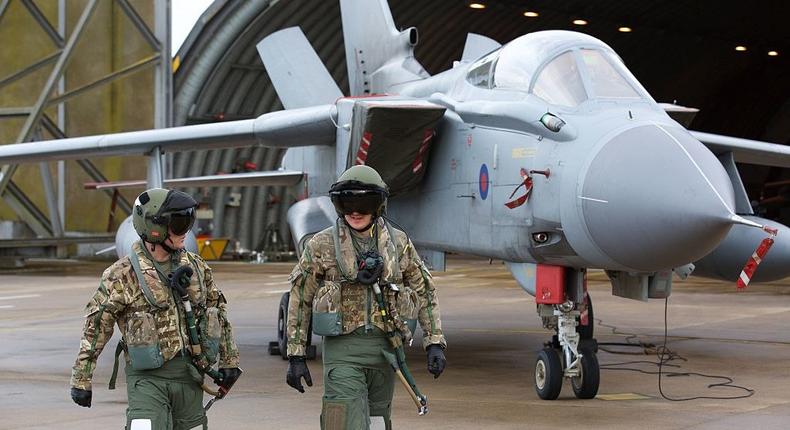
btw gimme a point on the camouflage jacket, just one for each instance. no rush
(119, 297)
(318, 267)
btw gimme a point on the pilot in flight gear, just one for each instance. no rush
(162, 383)
(332, 285)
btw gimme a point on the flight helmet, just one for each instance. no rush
(157, 210)
(359, 189)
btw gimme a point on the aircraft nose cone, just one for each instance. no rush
(654, 198)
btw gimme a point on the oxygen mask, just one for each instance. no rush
(369, 267)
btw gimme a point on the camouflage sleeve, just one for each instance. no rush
(304, 283)
(228, 351)
(417, 277)
(100, 316)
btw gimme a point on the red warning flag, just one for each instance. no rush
(756, 258)
(527, 184)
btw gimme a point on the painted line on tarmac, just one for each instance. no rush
(269, 284)
(278, 291)
(7, 306)
(23, 296)
(81, 286)
(477, 284)
(457, 275)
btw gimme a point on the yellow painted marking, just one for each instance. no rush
(522, 152)
(622, 396)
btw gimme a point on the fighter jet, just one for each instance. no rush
(544, 152)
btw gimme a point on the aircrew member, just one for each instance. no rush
(331, 285)
(163, 382)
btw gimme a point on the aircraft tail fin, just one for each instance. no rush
(476, 46)
(378, 56)
(298, 75)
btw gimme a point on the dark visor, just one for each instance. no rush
(361, 201)
(181, 221)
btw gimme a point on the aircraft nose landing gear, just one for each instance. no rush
(565, 357)
(562, 299)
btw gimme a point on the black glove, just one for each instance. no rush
(297, 369)
(229, 376)
(81, 397)
(436, 360)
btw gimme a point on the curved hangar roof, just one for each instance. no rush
(680, 51)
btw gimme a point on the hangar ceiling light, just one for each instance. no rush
(624, 29)
(579, 22)
(740, 48)
(477, 5)
(530, 14)
(773, 53)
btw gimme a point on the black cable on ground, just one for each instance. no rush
(665, 357)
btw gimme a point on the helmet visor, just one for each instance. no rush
(180, 222)
(366, 202)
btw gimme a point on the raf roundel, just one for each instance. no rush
(483, 182)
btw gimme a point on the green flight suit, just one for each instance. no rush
(149, 318)
(358, 382)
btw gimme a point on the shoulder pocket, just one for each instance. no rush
(143, 342)
(327, 317)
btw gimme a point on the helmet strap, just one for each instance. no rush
(165, 246)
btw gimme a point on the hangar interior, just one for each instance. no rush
(697, 54)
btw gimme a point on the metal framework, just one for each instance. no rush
(53, 93)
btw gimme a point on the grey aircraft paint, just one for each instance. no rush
(617, 183)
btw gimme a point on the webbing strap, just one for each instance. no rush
(338, 259)
(114, 376)
(197, 272)
(149, 296)
(392, 239)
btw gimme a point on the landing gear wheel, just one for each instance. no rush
(585, 386)
(280, 347)
(548, 374)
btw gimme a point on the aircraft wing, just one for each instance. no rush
(282, 129)
(277, 177)
(746, 150)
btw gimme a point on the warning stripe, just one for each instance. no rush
(416, 165)
(362, 153)
(755, 259)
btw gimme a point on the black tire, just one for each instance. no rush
(311, 352)
(282, 321)
(282, 333)
(586, 331)
(548, 374)
(585, 386)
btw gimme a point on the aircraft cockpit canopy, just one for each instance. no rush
(561, 67)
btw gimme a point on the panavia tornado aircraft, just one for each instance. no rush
(545, 152)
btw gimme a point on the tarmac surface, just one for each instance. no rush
(493, 334)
